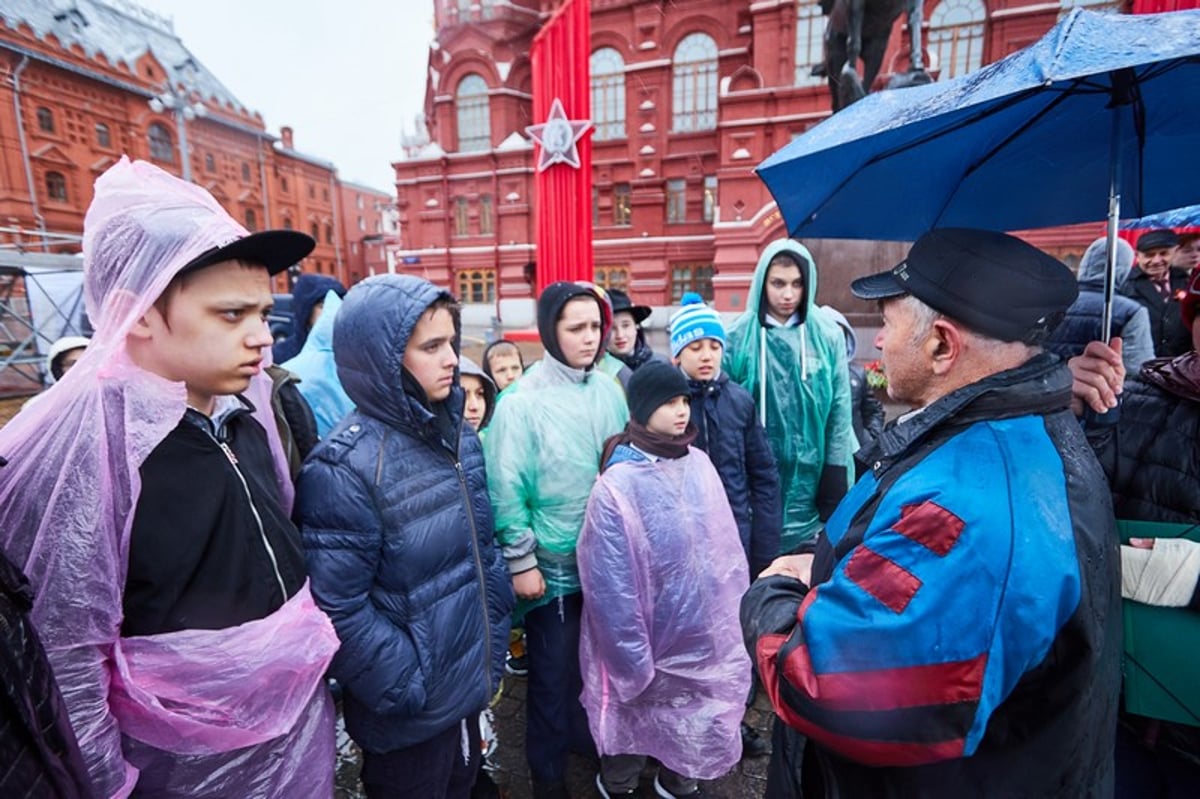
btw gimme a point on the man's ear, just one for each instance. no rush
(944, 346)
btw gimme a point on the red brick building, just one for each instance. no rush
(84, 82)
(370, 230)
(686, 99)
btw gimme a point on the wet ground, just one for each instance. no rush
(746, 781)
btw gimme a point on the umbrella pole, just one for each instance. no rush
(1114, 217)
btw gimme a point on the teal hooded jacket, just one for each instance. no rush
(797, 375)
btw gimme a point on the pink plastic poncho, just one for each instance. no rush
(665, 672)
(66, 508)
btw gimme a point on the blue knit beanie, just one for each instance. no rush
(694, 321)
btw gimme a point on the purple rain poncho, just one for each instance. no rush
(240, 711)
(665, 672)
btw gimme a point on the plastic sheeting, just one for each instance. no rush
(543, 454)
(68, 494)
(319, 383)
(663, 572)
(801, 387)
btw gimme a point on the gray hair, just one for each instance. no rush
(924, 316)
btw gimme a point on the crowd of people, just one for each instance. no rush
(203, 541)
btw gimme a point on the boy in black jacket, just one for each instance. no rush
(729, 433)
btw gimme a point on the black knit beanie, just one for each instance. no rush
(549, 309)
(654, 383)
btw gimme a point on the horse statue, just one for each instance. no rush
(861, 29)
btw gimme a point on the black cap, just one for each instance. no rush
(621, 302)
(652, 384)
(274, 249)
(993, 283)
(1155, 239)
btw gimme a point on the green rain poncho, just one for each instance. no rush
(543, 455)
(799, 380)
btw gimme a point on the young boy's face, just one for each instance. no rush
(671, 418)
(475, 402)
(701, 359)
(209, 331)
(784, 289)
(430, 355)
(506, 368)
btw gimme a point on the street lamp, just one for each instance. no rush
(185, 111)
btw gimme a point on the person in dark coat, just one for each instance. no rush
(1158, 286)
(397, 528)
(308, 295)
(1151, 457)
(38, 750)
(1130, 320)
(727, 429)
(958, 632)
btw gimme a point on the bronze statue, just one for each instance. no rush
(861, 29)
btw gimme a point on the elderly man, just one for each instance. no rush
(957, 633)
(1158, 285)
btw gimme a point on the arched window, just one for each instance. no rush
(474, 120)
(461, 217)
(162, 146)
(694, 84)
(314, 230)
(810, 36)
(251, 220)
(328, 233)
(45, 118)
(956, 36)
(486, 216)
(56, 187)
(103, 137)
(608, 94)
(210, 163)
(245, 172)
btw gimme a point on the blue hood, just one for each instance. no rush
(371, 331)
(308, 291)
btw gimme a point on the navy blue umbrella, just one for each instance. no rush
(1096, 117)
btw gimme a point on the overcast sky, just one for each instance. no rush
(348, 76)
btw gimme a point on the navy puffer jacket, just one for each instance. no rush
(728, 431)
(398, 536)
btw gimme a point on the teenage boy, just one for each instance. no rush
(665, 676)
(397, 528)
(150, 511)
(543, 454)
(728, 431)
(792, 360)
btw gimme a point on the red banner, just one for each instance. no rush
(559, 57)
(1158, 6)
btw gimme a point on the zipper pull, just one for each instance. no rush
(228, 452)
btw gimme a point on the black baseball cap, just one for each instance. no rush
(621, 302)
(993, 283)
(1155, 239)
(274, 249)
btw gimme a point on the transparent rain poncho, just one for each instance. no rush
(241, 711)
(543, 454)
(665, 672)
(319, 383)
(801, 387)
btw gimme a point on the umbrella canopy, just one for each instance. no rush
(1179, 218)
(1033, 140)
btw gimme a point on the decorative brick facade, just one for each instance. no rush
(83, 83)
(687, 98)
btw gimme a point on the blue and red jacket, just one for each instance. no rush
(961, 637)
